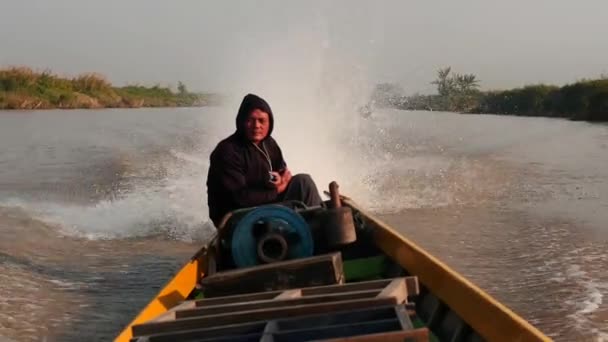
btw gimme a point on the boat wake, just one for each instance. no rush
(172, 206)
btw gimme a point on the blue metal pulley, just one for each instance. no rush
(270, 233)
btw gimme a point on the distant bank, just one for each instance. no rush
(24, 88)
(585, 100)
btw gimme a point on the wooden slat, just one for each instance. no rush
(333, 331)
(313, 290)
(314, 271)
(240, 338)
(276, 303)
(263, 314)
(416, 335)
(411, 282)
(209, 333)
(336, 318)
(170, 314)
(359, 286)
(239, 298)
(395, 289)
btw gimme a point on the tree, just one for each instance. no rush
(445, 84)
(181, 88)
(467, 83)
(456, 92)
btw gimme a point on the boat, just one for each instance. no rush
(287, 272)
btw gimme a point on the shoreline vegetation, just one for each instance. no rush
(26, 89)
(23, 88)
(584, 100)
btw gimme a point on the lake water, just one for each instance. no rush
(99, 208)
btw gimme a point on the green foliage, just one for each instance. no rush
(530, 100)
(583, 100)
(21, 87)
(457, 92)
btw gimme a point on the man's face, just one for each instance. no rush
(257, 125)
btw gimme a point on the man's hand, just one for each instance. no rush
(286, 176)
(281, 181)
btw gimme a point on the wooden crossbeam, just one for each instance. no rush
(261, 314)
(208, 333)
(343, 317)
(360, 286)
(411, 284)
(170, 314)
(239, 298)
(315, 333)
(324, 269)
(416, 335)
(286, 325)
(274, 303)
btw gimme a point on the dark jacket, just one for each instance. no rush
(238, 172)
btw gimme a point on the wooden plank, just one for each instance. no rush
(324, 319)
(412, 285)
(416, 335)
(324, 332)
(344, 317)
(239, 338)
(170, 314)
(358, 286)
(274, 303)
(395, 289)
(411, 282)
(237, 298)
(314, 271)
(209, 333)
(262, 314)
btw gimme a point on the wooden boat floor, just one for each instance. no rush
(375, 310)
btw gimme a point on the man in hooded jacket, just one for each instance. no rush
(247, 168)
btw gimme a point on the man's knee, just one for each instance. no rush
(302, 178)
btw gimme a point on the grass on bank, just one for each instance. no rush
(24, 88)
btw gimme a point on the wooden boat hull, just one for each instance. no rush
(451, 307)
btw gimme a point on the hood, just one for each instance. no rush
(250, 103)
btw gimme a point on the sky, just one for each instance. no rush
(236, 46)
